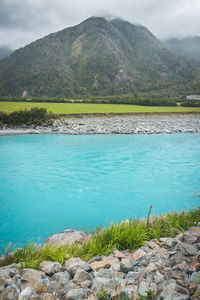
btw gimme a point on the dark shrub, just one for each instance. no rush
(191, 103)
(34, 116)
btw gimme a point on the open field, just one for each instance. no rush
(72, 108)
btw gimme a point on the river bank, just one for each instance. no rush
(113, 124)
(168, 268)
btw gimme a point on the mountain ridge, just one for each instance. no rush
(95, 57)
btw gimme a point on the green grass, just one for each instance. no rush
(79, 108)
(122, 236)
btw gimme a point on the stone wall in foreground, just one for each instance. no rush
(169, 267)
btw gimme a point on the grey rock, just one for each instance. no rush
(74, 264)
(107, 283)
(50, 268)
(66, 237)
(194, 278)
(82, 275)
(53, 286)
(9, 281)
(25, 294)
(62, 277)
(85, 284)
(131, 292)
(187, 249)
(171, 290)
(176, 259)
(60, 290)
(127, 265)
(32, 278)
(7, 272)
(132, 276)
(158, 277)
(171, 242)
(103, 273)
(78, 293)
(161, 253)
(69, 286)
(146, 285)
(11, 292)
(176, 296)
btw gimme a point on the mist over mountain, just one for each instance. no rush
(5, 51)
(96, 57)
(188, 47)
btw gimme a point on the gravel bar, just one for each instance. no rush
(134, 124)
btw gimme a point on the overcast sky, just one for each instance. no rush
(23, 21)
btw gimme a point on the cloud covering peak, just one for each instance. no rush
(22, 21)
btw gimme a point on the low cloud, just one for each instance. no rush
(5, 51)
(22, 21)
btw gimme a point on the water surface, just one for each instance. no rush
(49, 183)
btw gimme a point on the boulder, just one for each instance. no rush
(106, 263)
(187, 249)
(50, 268)
(76, 294)
(161, 253)
(32, 278)
(25, 294)
(138, 254)
(127, 265)
(81, 276)
(66, 237)
(151, 267)
(194, 278)
(132, 276)
(108, 284)
(7, 272)
(11, 292)
(145, 286)
(74, 264)
(62, 277)
(118, 254)
(103, 273)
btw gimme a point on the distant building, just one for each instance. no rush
(193, 97)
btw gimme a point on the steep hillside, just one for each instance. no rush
(96, 57)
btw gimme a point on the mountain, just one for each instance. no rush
(96, 57)
(188, 47)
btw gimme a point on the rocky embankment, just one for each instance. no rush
(168, 269)
(129, 124)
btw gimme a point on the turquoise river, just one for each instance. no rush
(49, 183)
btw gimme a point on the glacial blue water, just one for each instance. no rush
(49, 183)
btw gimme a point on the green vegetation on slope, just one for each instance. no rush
(78, 108)
(122, 236)
(96, 57)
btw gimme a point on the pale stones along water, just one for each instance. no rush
(110, 124)
(170, 267)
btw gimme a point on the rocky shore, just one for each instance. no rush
(113, 124)
(167, 269)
